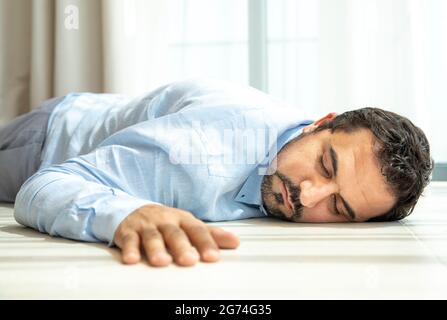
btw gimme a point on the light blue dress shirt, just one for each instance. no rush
(201, 145)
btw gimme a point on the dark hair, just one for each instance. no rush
(403, 154)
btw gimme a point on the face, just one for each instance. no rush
(327, 177)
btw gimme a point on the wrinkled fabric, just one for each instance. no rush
(191, 144)
(21, 143)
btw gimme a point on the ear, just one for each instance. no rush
(319, 122)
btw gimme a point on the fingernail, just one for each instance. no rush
(131, 257)
(161, 258)
(189, 257)
(211, 255)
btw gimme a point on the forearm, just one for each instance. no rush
(69, 206)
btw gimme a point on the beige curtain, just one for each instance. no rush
(52, 47)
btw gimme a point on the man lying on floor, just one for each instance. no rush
(145, 173)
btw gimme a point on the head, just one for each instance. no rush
(363, 165)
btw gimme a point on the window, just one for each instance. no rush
(323, 55)
(209, 38)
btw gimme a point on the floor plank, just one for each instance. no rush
(276, 260)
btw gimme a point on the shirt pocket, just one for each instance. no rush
(218, 152)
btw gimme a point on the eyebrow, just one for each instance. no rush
(334, 160)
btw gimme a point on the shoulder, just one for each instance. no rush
(204, 85)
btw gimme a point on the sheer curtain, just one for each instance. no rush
(322, 55)
(53, 47)
(333, 55)
(208, 38)
(325, 55)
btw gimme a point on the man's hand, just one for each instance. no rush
(165, 233)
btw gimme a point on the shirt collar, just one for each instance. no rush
(250, 193)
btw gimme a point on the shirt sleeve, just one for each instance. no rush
(84, 198)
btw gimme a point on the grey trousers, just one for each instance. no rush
(21, 144)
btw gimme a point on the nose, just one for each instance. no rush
(312, 193)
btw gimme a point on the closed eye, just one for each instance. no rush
(334, 202)
(328, 175)
(326, 172)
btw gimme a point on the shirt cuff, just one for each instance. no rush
(112, 212)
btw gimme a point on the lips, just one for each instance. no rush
(285, 196)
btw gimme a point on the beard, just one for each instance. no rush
(272, 200)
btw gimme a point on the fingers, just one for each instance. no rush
(179, 246)
(130, 247)
(157, 230)
(154, 247)
(224, 239)
(200, 237)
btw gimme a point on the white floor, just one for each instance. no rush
(276, 260)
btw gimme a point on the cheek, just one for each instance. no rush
(295, 169)
(291, 160)
(297, 159)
